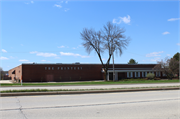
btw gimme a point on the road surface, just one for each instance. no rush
(124, 105)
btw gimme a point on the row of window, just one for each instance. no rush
(137, 74)
(63, 68)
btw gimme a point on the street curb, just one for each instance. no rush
(83, 85)
(82, 92)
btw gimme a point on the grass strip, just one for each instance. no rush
(129, 81)
(46, 90)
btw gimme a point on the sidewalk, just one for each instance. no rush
(5, 81)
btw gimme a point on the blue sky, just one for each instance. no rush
(49, 31)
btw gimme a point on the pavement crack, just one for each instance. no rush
(20, 108)
(70, 106)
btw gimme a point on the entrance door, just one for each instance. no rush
(110, 76)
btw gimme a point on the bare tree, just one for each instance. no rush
(109, 39)
(170, 67)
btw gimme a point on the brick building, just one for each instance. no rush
(78, 72)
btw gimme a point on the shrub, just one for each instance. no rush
(150, 75)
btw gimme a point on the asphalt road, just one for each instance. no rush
(126, 105)
(89, 86)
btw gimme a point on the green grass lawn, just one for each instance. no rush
(125, 81)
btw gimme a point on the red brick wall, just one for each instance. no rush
(38, 73)
(18, 73)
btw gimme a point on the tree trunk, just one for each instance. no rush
(105, 75)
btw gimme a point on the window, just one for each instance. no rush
(68, 68)
(136, 75)
(64, 68)
(74, 68)
(45, 68)
(58, 68)
(81, 67)
(49, 68)
(145, 73)
(71, 68)
(78, 68)
(52, 68)
(131, 74)
(159, 73)
(127, 74)
(142, 74)
(61, 68)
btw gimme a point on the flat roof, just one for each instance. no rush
(77, 64)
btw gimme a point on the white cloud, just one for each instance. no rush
(103, 58)
(66, 9)
(29, 2)
(61, 46)
(56, 5)
(173, 19)
(153, 54)
(73, 48)
(3, 50)
(69, 54)
(23, 60)
(126, 20)
(72, 54)
(115, 21)
(168, 55)
(155, 59)
(66, 2)
(43, 60)
(43, 54)
(22, 45)
(165, 33)
(46, 54)
(3, 58)
(178, 43)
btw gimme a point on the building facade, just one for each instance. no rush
(78, 72)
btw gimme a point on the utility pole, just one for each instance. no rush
(113, 68)
(113, 60)
(21, 82)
